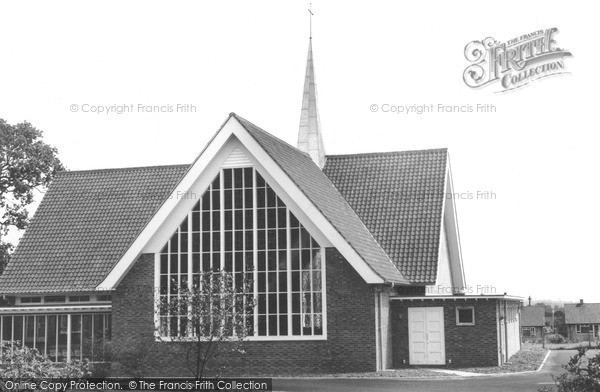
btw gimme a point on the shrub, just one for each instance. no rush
(583, 374)
(556, 338)
(27, 364)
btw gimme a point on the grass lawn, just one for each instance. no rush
(528, 359)
(568, 346)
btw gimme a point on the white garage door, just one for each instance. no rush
(426, 336)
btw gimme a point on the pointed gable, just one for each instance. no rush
(93, 225)
(400, 197)
(320, 190)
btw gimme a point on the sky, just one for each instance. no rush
(535, 156)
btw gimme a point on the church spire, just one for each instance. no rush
(310, 139)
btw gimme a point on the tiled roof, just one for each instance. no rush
(582, 313)
(84, 224)
(533, 316)
(319, 189)
(399, 197)
(88, 219)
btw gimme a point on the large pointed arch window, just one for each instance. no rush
(240, 225)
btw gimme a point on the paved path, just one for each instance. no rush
(529, 382)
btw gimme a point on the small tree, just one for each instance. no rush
(26, 163)
(559, 323)
(583, 374)
(214, 315)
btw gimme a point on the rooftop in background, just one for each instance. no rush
(458, 297)
(582, 313)
(533, 316)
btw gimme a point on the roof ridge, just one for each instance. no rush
(237, 116)
(387, 153)
(336, 193)
(121, 169)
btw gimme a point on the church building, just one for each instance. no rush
(354, 260)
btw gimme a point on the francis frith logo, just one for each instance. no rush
(516, 62)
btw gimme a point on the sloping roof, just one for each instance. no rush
(582, 313)
(399, 196)
(319, 189)
(533, 316)
(85, 222)
(88, 219)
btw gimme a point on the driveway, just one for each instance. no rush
(505, 383)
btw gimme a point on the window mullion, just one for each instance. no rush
(93, 340)
(312, 290)
(255, 252)
(178, 309)
(289, 271)
(81, 337)
(190, 272)
(35, 331)
(69, 342)
(323, 293)
(222, 217)
(222, 238)
(168, 303)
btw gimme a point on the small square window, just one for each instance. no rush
(465, 315)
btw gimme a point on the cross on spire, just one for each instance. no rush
(310, 20)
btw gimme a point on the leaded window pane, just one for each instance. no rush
(240, 224)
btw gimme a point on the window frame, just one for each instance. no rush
(531, 330)
(458, 309)
(255, 229)
(24, 322)
(55, 299)
(592, 329)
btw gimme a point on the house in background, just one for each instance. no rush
(582, 320)
(532, 322)
(355, 260)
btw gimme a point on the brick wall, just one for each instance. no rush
(578, 337)
(350, 345)
(537, 338)
(466, 345)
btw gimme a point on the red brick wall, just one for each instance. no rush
(466, 345)
(350, 345)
